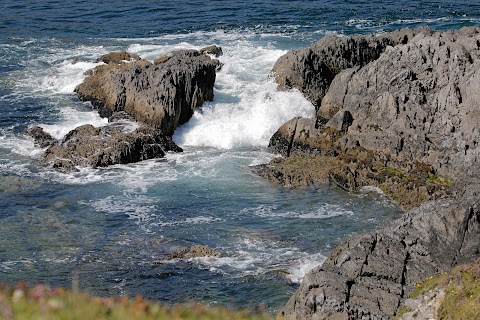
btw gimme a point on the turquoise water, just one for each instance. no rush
(110, 228)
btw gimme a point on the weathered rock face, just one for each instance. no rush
(162, 95)
(118, 143)
(311, 70)
(416, 103)
(399, 111)
(367, 276)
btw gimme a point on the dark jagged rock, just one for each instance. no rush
(367, 276)
(162, 95)
(42, 139)
(117, 143)
(311, 70)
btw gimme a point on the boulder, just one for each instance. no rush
(162, 95)
(118, 57)
(117, 143)
(368, 276)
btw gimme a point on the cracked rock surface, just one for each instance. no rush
(367, 276)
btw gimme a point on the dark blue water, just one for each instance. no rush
(111, 228)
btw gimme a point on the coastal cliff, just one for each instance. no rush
(399, 111)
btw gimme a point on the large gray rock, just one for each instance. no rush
(117, 143)
(42, 139)
(369, 275)
(163, 95)
(416, 101)
(311, 70)
(405, 117)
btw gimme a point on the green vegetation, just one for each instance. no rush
(462, 299)
(42, 302)
(443, 181)
(401, 311)
(462, 293)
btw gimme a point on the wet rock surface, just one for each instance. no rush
(88, 146)
(42, 139)
(193, 252)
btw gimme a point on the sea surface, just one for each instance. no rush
(109, 229)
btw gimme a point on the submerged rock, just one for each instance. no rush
(162, 95)
(193, 252)
(42, 139)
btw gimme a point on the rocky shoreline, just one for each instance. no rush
(399, 111)
(144, 102)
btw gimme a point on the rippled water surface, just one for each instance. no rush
(111, 228)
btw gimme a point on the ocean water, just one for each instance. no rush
(110, 228)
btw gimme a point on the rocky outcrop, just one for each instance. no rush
(213, 50)
(42, 139)
(399, 111)
(311, 70)
(118, 143)
(367, 276)
(118, 57)
(413, 105)
(144, 103)
(163, 95)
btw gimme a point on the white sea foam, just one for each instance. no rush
(260, 256)
(70, 119)
(247, 108)
(66, 76)
(303, 266)
(324, 211)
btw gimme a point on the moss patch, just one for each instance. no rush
(356, 169)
